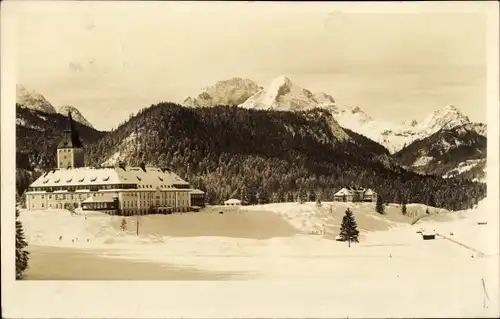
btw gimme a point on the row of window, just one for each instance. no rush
(97, 187)
(87, 187)
(80, 196)
(59, 205)
(129, 204)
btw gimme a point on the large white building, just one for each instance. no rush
(115, 190)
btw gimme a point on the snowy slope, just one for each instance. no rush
(395, 136)
(33, 100)
(123, 150)
(282, 94)
(395, 259)
(229, 92)
(75, 114)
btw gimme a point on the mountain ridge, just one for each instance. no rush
(283, 94)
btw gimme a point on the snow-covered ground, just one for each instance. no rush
(391, 256)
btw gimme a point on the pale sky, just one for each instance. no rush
(111, 59)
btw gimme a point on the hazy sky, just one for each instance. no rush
(112, 59)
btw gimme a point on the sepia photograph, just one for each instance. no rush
(347, 151)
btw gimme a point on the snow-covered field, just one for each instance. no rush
(391, 256)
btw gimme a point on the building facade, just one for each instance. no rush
(119, 189)
(198, 198)
(355, 194)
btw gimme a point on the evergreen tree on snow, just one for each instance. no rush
(22, 255)
(318, 202)
(403, 208)
(432, 201)
(124, 224)
(349, 228)
(379, 206)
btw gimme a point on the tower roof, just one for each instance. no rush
(70, 139)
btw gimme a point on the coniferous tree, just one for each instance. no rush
(379, 205)
(22, 256)
(123, 225)
(403, 207)
(432, 201)
(318, 202)
(349, 228)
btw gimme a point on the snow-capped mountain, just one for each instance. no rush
(283, 94)
(445, 118)
(75, 114)
(33, 100)
(229, 92)
(396, 136)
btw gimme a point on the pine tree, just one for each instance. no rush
(432, 201)
(318, 202)
(379, 206)
(22, 255)
(349, 229)
(124, 224)
(403, 208)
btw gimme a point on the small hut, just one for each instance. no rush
(232, 202)
(369, 196)
(344, 195)
(426, 235)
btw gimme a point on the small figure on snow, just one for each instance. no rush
(60, 238)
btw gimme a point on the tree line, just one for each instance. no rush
(273, 156)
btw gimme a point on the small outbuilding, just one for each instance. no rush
(426, 235)
(232, 202)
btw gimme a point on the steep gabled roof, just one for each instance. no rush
(343, 191)
(148, 179)
(70, 139)
(370, 192)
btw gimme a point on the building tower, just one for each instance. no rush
(70, 148)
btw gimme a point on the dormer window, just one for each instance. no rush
(57, 180)
(81, 179)
(92, 179)
(139, 178)
(161, 179)
(69, 180)
(105, 178)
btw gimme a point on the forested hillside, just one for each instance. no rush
(268, 155)
(455, 151)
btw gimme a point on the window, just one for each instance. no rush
(43, 196)
(42, 205)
